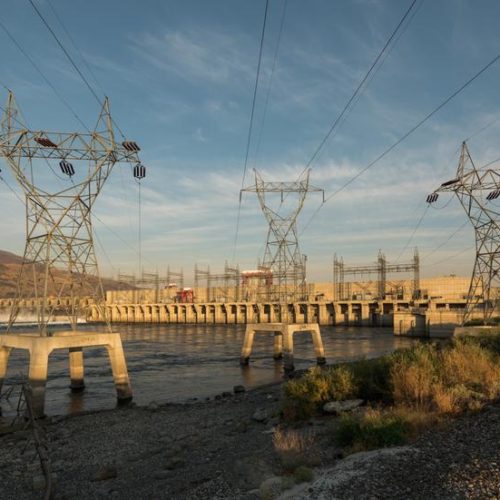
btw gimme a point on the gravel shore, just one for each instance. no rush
(223, 448)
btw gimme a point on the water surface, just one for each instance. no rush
(172, 363)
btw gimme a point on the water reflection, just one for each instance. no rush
(178, 362)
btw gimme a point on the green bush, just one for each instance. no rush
(303, 474)
(374, 429)
(305, 395)
(432, 377)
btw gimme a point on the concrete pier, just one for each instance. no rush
(283, 341)
(40, 349)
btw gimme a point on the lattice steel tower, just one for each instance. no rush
(282, 255)
(59, 268)
(477, 189)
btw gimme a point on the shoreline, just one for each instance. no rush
(223, 448)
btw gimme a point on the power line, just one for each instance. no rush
(254, 94)
(404, 136)
(360, 86)
(45, 79)
(445, 241)
(250, 125)
(68, 34)
(413, 233)
(275, 59)
(70, 59)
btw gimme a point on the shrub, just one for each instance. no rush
(414, 376)
(374, 429)
(303, 474)
(305, 395)
(372, 378)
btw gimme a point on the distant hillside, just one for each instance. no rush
(10, 265)
(9, 258)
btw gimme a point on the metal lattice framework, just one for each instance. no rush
(477, 189)
(59, 269)
(381, 269)
(282, 255)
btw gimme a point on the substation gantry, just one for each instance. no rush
(478, 190)
(382, 268)
(59, 259)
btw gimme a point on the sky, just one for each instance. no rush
(180, 77)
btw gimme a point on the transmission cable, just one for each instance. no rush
(250, 125)
(70, 59)
(404, 136)
(70, 38)
(360, 86)
(45, 79)
(275, 59)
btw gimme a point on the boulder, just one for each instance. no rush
(260, 415)
(336, 407)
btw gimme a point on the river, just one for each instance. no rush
(173, 363)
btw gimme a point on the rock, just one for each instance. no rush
(106, 472)
(341, 406)
(152, 406)
(174, 463)
(227, 394)
(39, 482)
(238, 389)
(260, 415)
(162, 474)
(271, 487)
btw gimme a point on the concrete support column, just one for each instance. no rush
(288, 348)
(365, 315)
(219, 314)
(190, 316)
(37, 376)
(247, 345)
(76, 369)
(319, 350)
(278, 345)
(119, 369)
(4, 361)
(337, 314)
(323, 316)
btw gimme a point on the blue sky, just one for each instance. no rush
(180, 77)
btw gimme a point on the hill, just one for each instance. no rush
(10, 265)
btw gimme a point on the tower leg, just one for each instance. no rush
(37, 376)
(76, 369)
(247, 345)
(119, 368)
(278, 345)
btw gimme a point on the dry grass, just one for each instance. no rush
(450, 380)
(295, 448)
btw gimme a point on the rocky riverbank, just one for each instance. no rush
(223, 448)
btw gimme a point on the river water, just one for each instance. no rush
(173, 363)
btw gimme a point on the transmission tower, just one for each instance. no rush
(59, 258)
(282, 255)
(477, 189)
